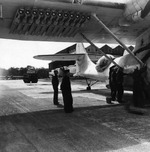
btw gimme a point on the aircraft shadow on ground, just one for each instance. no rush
(103, 92)
(59, 110)
(95, 91)
(45, 84)
(42, 119)
(106, 92)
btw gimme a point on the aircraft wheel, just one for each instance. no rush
(88, 88)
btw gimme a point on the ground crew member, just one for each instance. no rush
(119, 84)
(138, 92)
(112, 82)
(138, 88)
(55, 83)
(66, 92)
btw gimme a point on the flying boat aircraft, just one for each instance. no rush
(86, 68)
(93, 21)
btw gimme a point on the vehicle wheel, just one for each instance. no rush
(26, 80)
(34, 79)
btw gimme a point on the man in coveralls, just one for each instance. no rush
(66, 92)
(139, 94)
(138, 88)
(112, 82)
(55, 83)
(119, 84)
(116, 83)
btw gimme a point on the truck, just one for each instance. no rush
(31, 75)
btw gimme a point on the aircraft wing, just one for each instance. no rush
(65, 57)
(58, 57)
(64, 20)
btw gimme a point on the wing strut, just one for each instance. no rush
(110, 59)
(121, 43)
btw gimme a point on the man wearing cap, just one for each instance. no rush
(55, 83)
(66, 92)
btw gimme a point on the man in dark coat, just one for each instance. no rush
(139, 95)
(138, 88)
(55, 83)
(119, 84)
(66, 92)
(116, 83)
(112, 82)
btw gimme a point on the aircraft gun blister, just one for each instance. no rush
(47, 22)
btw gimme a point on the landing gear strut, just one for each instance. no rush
(88, 88)
(89, 84)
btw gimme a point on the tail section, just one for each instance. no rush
(83, 61)
(80, 49)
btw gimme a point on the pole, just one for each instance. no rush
(122, 44)
(110, 59)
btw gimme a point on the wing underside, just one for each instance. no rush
(64, 20)
(50, 20)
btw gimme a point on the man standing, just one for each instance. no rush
(138, 92)
(66, 92)
(116, 83)
(119, 84)
(55, 83)
(138, 88)
(112, 82)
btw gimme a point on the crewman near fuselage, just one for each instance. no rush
(66, 92)
(119, 84)
(55, 83)
(116, 83)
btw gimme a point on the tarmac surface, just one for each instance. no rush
(29, 122)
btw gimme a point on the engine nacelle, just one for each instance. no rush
(137, 10)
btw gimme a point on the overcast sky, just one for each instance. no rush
(16, 53)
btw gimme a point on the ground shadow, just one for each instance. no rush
(81, 125)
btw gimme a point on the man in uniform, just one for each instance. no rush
(112, 82)
(138, 88)
(66, 92)
(119, 84)
(55, 83)
(116, 83)
(139, 95)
